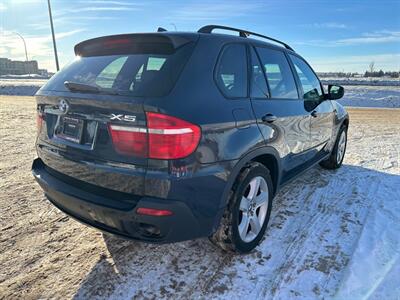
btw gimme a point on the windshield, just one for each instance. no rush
(139, 74)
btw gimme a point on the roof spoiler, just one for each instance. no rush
(111, 42)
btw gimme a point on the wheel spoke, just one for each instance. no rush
(254, 187)
(244, 226)
(244, 204)
(261, 199)
(255, 224)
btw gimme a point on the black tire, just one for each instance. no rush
(227, 235)
(332, 162)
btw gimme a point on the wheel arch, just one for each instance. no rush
(267, 156)
(271, 163)
(345, 122)
(264, 155)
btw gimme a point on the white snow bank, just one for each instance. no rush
(374, 81)
(26, 76)
(371, 96)
(20, 87)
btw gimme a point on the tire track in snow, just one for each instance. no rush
(303, 256)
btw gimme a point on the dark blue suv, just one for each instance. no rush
(169, 136)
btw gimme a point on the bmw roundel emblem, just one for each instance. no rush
(63, 106)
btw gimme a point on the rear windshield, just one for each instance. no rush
(149, 73)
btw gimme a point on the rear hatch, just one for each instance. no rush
(90, 110)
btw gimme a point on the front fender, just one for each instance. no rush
(341, 114)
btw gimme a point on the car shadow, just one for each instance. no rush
(314, 228)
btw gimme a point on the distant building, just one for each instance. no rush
(15, 67)
(43, 72)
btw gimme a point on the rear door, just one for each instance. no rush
(282, 118)
(321, 111)
(93, 123)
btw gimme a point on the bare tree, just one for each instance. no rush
(371, 67)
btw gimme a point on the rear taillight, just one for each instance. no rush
(129, 140)
(170, 137)
(39, 121)
(165, 137)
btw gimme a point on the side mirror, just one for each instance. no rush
(335, 92)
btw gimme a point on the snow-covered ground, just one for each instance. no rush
(333, 234)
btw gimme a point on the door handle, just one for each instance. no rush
(269, 118)
(314, 114)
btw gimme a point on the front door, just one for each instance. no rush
(280, 113)
(320, 110)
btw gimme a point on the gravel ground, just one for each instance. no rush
(316, 223)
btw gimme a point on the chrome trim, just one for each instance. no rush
(152, 131)
(171, 131)
(128, 128)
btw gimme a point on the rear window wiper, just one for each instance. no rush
(82, 87)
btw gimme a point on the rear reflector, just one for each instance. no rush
(39, 121)
(153, 212)
(165, 137)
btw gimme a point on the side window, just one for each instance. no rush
(309, 81)
(258, 88)
(108, 75)
(155, 63)
(231, 72)
(279, 75)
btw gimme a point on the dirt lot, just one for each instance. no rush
(316, 223)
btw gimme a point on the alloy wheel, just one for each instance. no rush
(253, 209)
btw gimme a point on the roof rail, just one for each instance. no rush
(242, 33)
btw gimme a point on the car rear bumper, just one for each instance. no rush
(118, 216)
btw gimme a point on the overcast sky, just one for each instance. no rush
(331, 35)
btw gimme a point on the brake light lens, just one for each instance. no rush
(170, 137)
(165, 137)
(116, 42)
(153, 212)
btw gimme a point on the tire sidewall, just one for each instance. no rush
(240, 245)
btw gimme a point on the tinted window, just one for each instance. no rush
(137, 74)
(279, 75)
(231, 73)
(309, 81)
(258, 88)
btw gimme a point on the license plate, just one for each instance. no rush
(71, 129)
